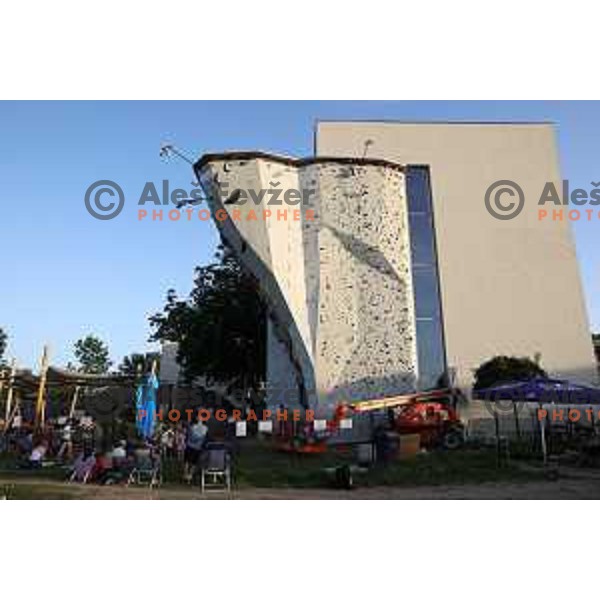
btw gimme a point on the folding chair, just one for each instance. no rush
(216, 464)
(81, 473)
(146, 469)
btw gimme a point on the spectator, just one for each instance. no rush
(37, 454)
(114, 466)
(167, 442)
(119, 452)
(179, 441)
(193, 448)
(103, 465)
(66, 448)
(83, 466)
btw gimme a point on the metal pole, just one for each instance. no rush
(543, 438)
(497, 427)
(517, 424)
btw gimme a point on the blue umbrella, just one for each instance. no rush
(540, 389)
(145, 404)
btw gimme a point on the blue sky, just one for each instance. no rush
(66, 274)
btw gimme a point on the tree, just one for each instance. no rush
(137, 362)
(220, 328)
(3, 344)
(92, 354)
(506, 368)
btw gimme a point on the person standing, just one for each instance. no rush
(196, 437)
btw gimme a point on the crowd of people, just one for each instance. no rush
(87, 453)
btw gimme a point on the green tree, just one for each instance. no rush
(92, 355)
(220, 328)
(506, 368)
(137, 362)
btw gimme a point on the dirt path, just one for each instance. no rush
(573, 487)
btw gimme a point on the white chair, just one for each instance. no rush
(216, 464)
(146, 470)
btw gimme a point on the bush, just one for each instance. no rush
(506, 368)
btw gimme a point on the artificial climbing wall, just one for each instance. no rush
(335, 270)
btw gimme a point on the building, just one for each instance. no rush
(506, 286)
(403, 277)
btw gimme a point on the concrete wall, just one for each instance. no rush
(508, 287)
(338, 286)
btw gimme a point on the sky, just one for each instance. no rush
(65, 274)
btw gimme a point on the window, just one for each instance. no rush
(425, 282)
(430, 350)
(421, 239)
(419, 195)
(428, 309)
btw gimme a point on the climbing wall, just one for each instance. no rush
(335, 271)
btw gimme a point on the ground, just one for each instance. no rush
(262, 473)
(571, 488)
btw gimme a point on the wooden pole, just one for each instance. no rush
(9, 395)
(40, 407)
(17, 409)
(74, 402)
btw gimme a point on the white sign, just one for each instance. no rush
(265, 426)
(240, 429)
(320, 424)
(346, 424)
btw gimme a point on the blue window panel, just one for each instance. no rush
(427, 293)
(421, 239)
(430, 338)
(419, 193)
(430, 349)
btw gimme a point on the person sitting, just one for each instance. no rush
(143, 456)
(146, 466)
(24, 442)
(117, 468)
(102, 465)
(119, 454)
(83, 466)
(37, 455)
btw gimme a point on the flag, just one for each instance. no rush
(145, 404)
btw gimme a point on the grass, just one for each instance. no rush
(9, 465)
(41, 491)
(258, 464)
